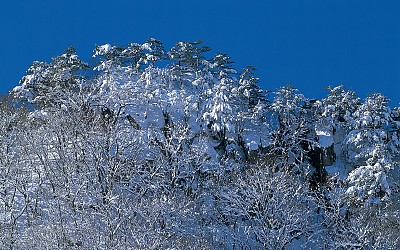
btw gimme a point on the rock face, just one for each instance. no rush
(329, 157)
(324, 155)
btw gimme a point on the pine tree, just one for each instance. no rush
(291, 125)
(249, 88)
(188, 56)
(53, 84)
(373, 149)
(156, 51)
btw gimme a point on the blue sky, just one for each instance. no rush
(308, 43)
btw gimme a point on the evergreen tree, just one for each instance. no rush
(157, 150)
(374, 150)
(53, 84)
(249, 88)
(291, 126)
(188, 56)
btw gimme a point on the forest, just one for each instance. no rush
(149, 148)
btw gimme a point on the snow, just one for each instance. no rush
(251, 140)
(17, 89)
(103, 50)
(338, 169)
(179, 165)
(325, 136)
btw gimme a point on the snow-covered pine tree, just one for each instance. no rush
(149, 151)
(53, 84)
(290, 126)
(371, 149)
(188, 56)
(221, 108)
(249, 88)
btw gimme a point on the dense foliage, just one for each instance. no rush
(156, 149)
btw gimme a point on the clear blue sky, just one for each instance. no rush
(308, 43)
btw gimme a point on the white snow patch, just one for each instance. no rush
(251, 140)
(325, 136)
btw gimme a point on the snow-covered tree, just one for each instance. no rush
(157, 150)
(291, 126)
(269, 210)
(53, 84)
(340, 104)
(249, 89)
(343, 226)
(188, 56)
(372, 149)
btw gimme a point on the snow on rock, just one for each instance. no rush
(339, 169)
(325, 136)
(148, 116)
(252, 141)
